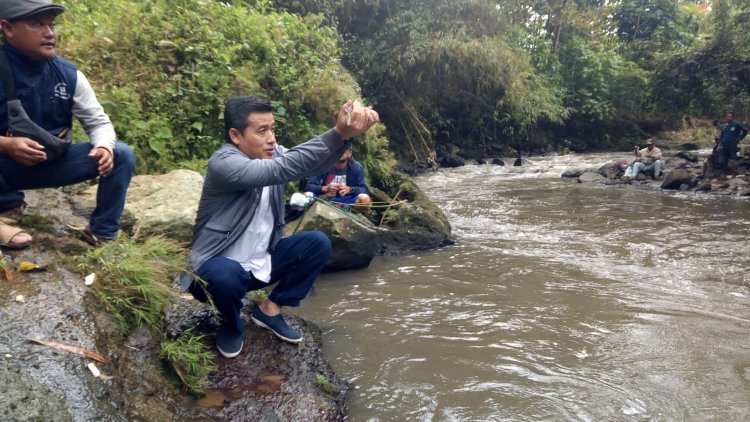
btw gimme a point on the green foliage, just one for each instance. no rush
(191, 360)
(324, 384)
(133, 280)
(163, 70)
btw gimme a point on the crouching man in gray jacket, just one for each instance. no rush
(237, 239)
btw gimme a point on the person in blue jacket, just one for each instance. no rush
(52, 92)
(731, 134)
(344, 183)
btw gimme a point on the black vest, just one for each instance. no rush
(45, 88)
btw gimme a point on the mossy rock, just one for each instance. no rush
(416, 225)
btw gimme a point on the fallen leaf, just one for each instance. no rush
(29, 266)
(8, 274)
(20, 299)
(89, 279)
(72, 349)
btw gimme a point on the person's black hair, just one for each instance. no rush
(237, 110)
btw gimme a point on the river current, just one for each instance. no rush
(560, 301)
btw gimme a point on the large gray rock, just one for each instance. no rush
(156, 204)
(591, 177)
(418, 224)
(611, 170)
(676, 178)
(353, 237)
(572, 173)
(689, 156)
(674, 163)
(452, 160)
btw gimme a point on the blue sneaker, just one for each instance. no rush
(228, 343)
(277, 325)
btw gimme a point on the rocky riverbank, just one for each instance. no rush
(681, 171)
(270, 380)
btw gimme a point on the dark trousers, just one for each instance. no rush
(295, 265)
(74, 166)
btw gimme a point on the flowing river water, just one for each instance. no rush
(560, 301)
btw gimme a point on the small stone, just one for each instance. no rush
(89, 279)
(20, 299)
(94, 370)
(8, 355)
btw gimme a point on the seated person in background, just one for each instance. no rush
(344, 183)
(714, 159)
(647, 159)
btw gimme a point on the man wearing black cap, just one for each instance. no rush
(52, 91)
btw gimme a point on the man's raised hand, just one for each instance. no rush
(354, 119)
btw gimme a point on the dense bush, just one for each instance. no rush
(164, 68)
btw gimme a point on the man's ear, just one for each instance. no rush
(235, 136)
(7, 28)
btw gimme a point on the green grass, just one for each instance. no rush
(38, 222)
(324, 384)
(258, 296)
(133, 280)
(191, 360)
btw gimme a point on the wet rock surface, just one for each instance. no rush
(417, 225)
(270, 380)
(354, 239)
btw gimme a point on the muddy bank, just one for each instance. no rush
(270, 380)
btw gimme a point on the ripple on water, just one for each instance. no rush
(560, 301)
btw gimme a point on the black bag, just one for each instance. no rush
(19, 123)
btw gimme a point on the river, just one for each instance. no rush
(560, 301)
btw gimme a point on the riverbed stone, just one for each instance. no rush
(452, 160)
(521, 161)
(498, 161)
(688, 156)
(591, 177)
(416, 225)
(156, 204)
(611, 170)
(481, 161)
(676, 178)
(353, 237)
(572, 173)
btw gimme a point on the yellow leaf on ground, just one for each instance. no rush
(28, 266)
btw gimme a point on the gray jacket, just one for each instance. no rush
(233, 186)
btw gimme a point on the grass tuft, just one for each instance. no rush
(324, 384)
(191, 359)
(134, 279)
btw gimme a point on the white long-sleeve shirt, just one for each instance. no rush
(90, 113)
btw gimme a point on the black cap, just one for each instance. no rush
(18, 9)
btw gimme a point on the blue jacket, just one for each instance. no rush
(45, 88)
(732, 134)
(355, 179)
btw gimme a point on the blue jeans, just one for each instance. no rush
(639, 167)
(74, 166)
(295, 264)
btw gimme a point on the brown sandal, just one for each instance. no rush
(8, 233)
